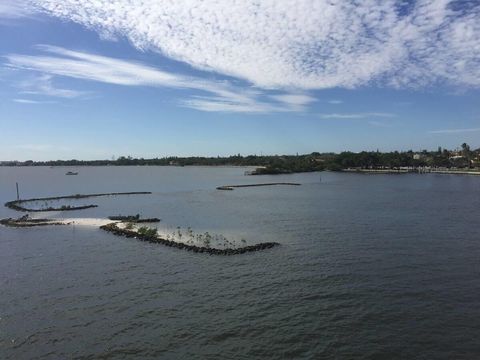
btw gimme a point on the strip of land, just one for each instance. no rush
(17, 204)
(29, 222)
(411, 171)
(231, 187)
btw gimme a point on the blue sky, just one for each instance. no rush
(92, 79)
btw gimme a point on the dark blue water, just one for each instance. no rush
(370, 267)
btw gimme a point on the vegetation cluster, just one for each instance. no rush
(463, 158)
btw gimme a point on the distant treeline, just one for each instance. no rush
(282, 164)
(236, 160)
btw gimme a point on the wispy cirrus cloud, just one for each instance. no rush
(43, 85)
(31, 102)
(357, 115)
(219, 104)
(296, 102)
(454, 131)
(11, 9)
(322, 44)
(214, 95)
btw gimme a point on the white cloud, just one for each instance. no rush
(43, 85)
(282, 103)
(308, 44)
(87, 66)
(357, 115)
(216, 95)
(11, 9)
(29, 101)
(217, 104)
(454, 131)
(295, 101)
(335, 102)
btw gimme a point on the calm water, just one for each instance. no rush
(370, 267)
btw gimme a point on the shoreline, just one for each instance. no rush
(248, 173)
(413, 171)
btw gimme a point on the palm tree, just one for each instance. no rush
(466, 153)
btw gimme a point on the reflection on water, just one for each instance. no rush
(370, 267)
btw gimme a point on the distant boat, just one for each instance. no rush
(71, 173)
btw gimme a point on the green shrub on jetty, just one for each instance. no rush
(146, 231)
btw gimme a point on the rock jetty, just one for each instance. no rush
(114, 229)
(19, 205)
(231, 187)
